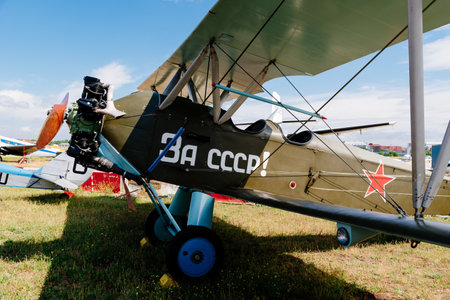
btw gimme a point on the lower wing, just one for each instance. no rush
(415, 229)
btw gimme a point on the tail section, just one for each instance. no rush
(58, 174)
(16, 177)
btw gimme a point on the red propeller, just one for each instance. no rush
(52, 123)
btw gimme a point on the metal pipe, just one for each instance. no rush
(268, 101)
(169, 145)
(415, 29)
(225, 93)
(174, 81)
(110, 108)
(191, 91)
(438, 171)
(110, 94)
(183, 80)
(215, 78)
(155, 197)
(241, 99)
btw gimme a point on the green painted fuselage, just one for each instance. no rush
(228, 160)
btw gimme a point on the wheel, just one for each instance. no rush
(1, 159)
(64, 196)
(156, 230)
(194, 252)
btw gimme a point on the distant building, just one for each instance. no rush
(376, 147)
(362, 145)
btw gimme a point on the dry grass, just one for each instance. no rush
(386, 267)
(88, 247)
(31, 162)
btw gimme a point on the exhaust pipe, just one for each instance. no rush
(110, 109)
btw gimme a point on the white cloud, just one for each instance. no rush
(436, 55)
(367, 105)
(26, 129)
(19, 104)
(74, 89)
(382, 105)
(114, 73)
(22, 114)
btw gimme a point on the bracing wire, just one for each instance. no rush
(303, 124)
(394, 204)
(246, 47)
(345, 145)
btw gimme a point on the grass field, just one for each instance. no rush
(31, 162)
(88, 247)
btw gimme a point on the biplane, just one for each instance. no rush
(175, 128)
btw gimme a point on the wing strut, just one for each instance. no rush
(192, 91)
(215, 77)
(241, 99)
(225, 93)
(415, 29)
(174, 81)
(183, 80)
(438, 171)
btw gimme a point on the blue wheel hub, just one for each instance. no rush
(196, 257)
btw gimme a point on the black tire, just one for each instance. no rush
(194, 253)
(1, 159)
(64, 196)
(152, 233)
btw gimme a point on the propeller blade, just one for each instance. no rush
(52, 124)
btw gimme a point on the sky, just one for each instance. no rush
(47, 47)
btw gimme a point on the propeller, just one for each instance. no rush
(52, 124)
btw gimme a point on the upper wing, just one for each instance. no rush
(303, 37)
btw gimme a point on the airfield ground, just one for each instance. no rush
(88, 247)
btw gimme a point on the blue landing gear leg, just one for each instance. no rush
(156, 226)
(196, 251)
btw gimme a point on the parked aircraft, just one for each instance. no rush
(191, 141)
(10, 146)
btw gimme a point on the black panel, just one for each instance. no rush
(201, 133)
(4, 178)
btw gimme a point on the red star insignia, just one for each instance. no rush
(378, 181)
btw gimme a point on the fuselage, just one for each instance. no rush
(6, 143)
(226, 159)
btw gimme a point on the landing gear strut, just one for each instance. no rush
(194, 251)
(155, 227)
